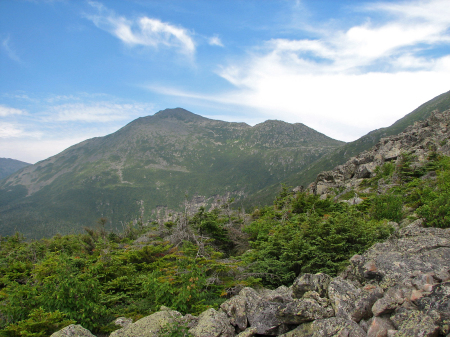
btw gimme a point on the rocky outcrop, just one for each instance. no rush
(400, 287)
(418, 139)
(150, 326)
(73, 331)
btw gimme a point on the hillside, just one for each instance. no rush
(351, 149)
(150, 167)
(9, 166)
(320, 264)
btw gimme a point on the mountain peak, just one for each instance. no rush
(179, 113)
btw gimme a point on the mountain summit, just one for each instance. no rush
(152, 165)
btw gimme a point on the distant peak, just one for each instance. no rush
(178, 113)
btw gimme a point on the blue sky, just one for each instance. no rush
(72, 70)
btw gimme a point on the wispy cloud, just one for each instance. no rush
(10, 130)
(346, 82)
(143, 31)
(9, 51)
(96, 112)
(8, 111)
(215, 41)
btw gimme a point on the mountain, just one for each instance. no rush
(351, 149)
(153, 165)
(9, 166)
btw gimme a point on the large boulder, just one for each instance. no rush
(251, 308)
(405, 257)
(304, 310)
(149, 326)
(73, 331)
(328, 327)
(352, 302)
(311, 282)
(212, 323)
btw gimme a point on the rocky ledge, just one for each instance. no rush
(417, 140)
(398, 288)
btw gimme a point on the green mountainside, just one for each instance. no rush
(344, 153)
(9, 166)
(154, 163)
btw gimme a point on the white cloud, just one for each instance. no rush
(8, 111)
(32, 151)
(215, 41)
(8, 130)
(346, 82)
(96, 112)
(9, 51)
(143, 31)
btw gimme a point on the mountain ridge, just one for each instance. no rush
(152, 163)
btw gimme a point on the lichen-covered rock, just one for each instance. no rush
(149, 326)
(328, 327)
(73, 331)
(123, 321)
(304, 310)
(343, 296)
(249, 332)
(212, 323)
(311, 282)
(411, 323)
(391, 300)
(365, 301)
(398, 259)
(379, 327)
(257, 309)
(437, 305)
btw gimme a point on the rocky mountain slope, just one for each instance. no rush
(152, 165)
(397, 288)
(351, 149)
(411, 147)
(8, 166)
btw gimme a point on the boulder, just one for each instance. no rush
(257, 309)
(411, 323)
(123, 321)
(311, 282)
(149, 326)
(398, 259)
(379, 327)
(212, 323)
(328, 327)
(437, 305)
(73, 331)
(351, 302)
(304, 310)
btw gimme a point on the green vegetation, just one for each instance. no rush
(194, 263)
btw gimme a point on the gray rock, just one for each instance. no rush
(437, 305)
(412, 323)
(392, 299)
(73, 331)
(397, 260)
(328, 327)
(248, 332)
(255, 309)
(212, 323)
(149, 326)
(351, 302)
(379, 327)
(303, 310)
(123, 321)
(311, 282)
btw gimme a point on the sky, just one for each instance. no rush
(74, 69)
